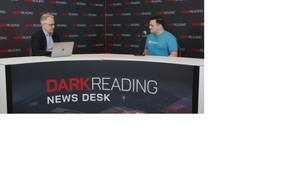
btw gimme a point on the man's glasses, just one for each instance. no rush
(50, 24)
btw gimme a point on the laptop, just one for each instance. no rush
(61, 49)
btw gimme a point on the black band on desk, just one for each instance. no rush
(8, 89)
(196, 76)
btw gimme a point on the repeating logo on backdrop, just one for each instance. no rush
(98, 5)
(58, 2)
(191, 37)
(12, 25)
(22, 37)
(10, 50)
(166, 13)
(107, 34)
(70, 14)
(153, 1)
(96, 25)
(143, 13)
(115, 4)
(78, 3)
(132, 24)
(80, 46)
(133, 3)
(131, 46)
(22, 12)
(89, 14)
(89, 35)
(97, 45)
(3, 37)
(115, 25)
(176, 24)
(107, 15)
(61, 25)
(192, 11)
(123, 14)
(78, 25)
(71, 36)
(197, 50)
(114, 44)
(50, 13)
(124, 35)
(34, 1)
(33, 25)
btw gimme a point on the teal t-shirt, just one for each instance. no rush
(162, 44)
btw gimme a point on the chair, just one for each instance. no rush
(178, 51)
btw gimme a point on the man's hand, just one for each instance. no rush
(145, 52)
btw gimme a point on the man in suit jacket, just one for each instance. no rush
(42, 41)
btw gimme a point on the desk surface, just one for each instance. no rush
(125, 57)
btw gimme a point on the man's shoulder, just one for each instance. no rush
(168, 34)
(55, 34)
(37, 34)
(150, 35)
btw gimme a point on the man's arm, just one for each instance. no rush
(173, 54)
(37, 47)
(55, 37)
(172, 46)
(145, 52)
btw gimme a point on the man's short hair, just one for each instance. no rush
(45, 17)
(159, 20)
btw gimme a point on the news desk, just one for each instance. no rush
(102, 83)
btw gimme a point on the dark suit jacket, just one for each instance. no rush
(39, 43)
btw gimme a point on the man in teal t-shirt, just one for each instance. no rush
(160, 42)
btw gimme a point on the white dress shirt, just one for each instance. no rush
(49, 41)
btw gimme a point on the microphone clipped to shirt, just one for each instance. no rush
(143, 33)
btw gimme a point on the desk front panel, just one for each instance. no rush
(102, 86)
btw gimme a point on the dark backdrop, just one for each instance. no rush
(101, 26)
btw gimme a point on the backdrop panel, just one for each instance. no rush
(101, 26)
(183, 18)
(76, 20)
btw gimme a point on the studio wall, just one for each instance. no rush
(101, 26)
(82, 22)
(183, 18)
